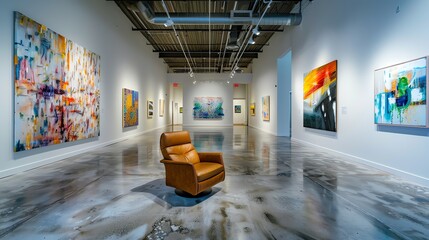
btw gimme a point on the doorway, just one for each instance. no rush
(177, 104)
(239, 102)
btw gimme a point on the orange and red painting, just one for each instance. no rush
(56, 88)
(320, 97)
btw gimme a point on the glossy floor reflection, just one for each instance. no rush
(274, 189)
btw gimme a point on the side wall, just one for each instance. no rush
(362, 36)
(126, 62)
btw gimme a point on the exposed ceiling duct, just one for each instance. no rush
(290, 19)
(214, 33)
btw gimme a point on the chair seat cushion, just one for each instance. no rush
(206, 170)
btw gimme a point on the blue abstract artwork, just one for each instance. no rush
(208, 108)
(400, 96)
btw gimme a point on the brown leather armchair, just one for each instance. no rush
(187, 170)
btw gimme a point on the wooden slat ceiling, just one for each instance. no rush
(195, 38)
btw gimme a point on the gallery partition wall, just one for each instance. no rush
(73, 80)
(284, 90)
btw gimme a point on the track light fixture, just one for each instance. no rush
(251, 41)
(256, 31)
(169, 23)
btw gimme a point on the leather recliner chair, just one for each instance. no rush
(187, 170)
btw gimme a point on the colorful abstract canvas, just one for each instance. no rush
(57, 97)
(130, 108)
(208, 108)
(237, 108)
(252, 109)
(149, 108)
(161, 107)
(320, 98)
(401, 94)
(266, 108)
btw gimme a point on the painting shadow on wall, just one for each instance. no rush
(403, 130)
(321, 132)
(127, 129)
(34, 151)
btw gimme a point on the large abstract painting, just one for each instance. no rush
(56, 88)
(208, 108)
(320, 97)
(266, 108)
(130, 108)
(401, 94)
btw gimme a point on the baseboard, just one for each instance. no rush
(56, 158)
(410, 177)
(206, 125)
(263, 130)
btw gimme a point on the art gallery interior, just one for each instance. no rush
(293, 94)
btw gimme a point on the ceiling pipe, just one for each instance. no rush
(290, 19)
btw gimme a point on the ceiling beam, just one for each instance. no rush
(196, 30)
(204, 55)
(198, 44)
(275, 1)
(214, 51)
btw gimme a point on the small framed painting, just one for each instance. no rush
(150, 109)
(237, 108)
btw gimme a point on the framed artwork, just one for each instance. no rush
(400, 94)
(130, 108)
(208, 108)
(237, 108)
(266, 108)
(57, 94)
(150, 109)
(252, 109)
(181, 110)
(320, 97)
(161, 107)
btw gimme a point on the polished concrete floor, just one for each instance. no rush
(274, 189)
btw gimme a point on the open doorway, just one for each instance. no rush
(177, 104)
(284, 95)
(239, 110)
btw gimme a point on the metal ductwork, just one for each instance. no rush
(215, 19)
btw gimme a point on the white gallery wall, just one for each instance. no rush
(363, 36)
(208, 85)
(126, 62)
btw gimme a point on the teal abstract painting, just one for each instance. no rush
(208, 108)
(401, 94)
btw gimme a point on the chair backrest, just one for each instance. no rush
(177, 146)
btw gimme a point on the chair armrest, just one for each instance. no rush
(165, 161)
(179, 170)
(215, 157)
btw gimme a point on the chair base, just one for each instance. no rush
(188, 195)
